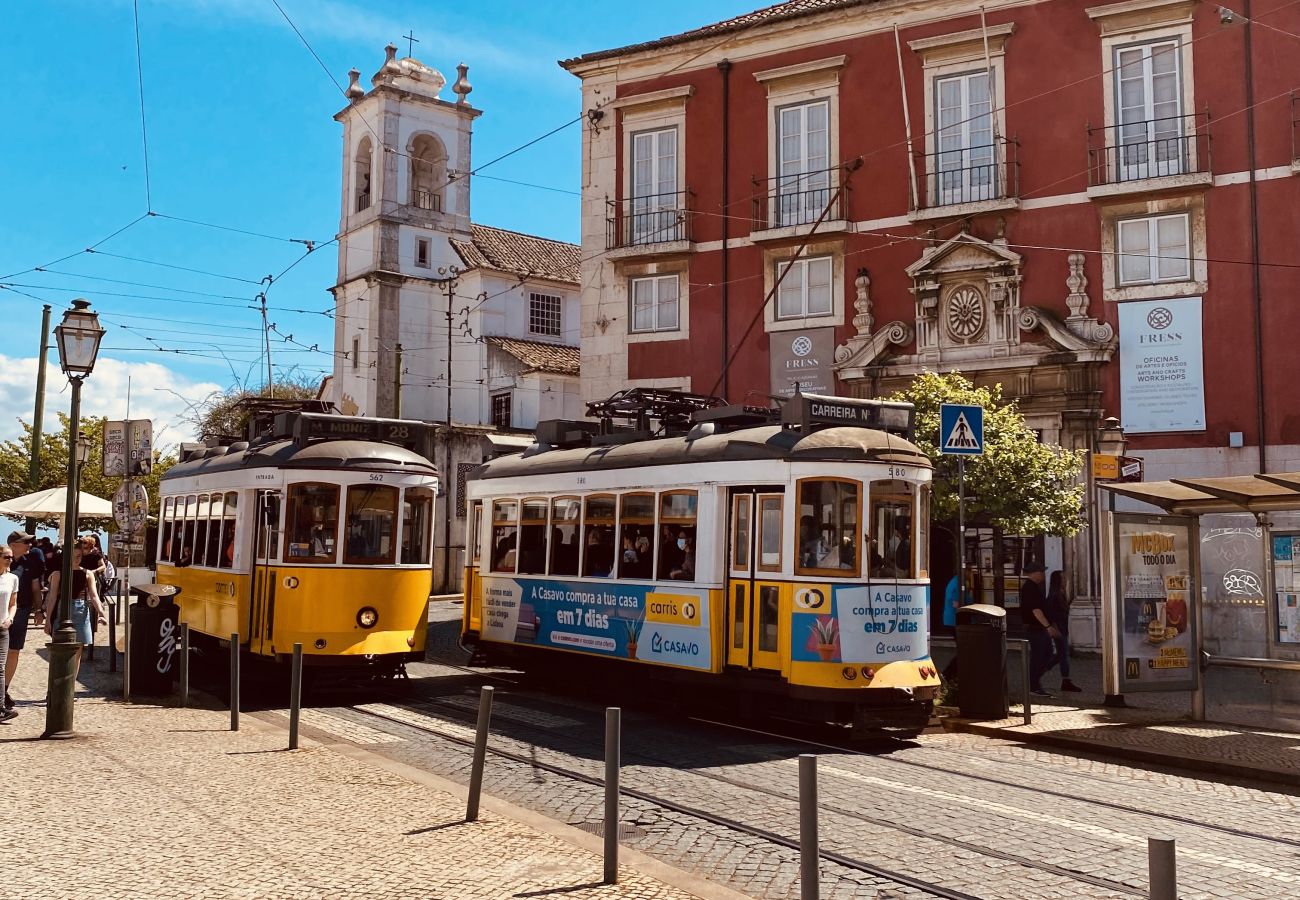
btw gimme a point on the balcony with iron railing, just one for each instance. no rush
(1157, 154)
(959, 181)
(363, 201)
(652, 223)
(793, 203)
(430, 200)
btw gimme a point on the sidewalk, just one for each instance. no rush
(160, 801)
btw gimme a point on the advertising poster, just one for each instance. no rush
(652, 623)
(114, 448)
(804, 358)
(1155, 592)
(1162, 376)
(1286, 586)
(871, 624)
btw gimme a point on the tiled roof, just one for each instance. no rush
(541, 357)
(518, 254)
(792, 9)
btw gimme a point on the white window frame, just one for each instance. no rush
(970, 168)
(809, 186)
(509, 398)
(538, 315)
(656, 282)
(1144, 161)
(654, 213)
(1154, 260)
(802, 84)
(1122, 209)
(799, 269)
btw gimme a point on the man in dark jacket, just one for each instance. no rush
(29, 566)
(1033, 611)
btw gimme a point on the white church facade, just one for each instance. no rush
(438, 318)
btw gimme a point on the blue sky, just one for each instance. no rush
(240, 135)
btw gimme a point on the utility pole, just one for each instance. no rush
(397, 383)
(266, 337)
(38, 415)
(451, 273)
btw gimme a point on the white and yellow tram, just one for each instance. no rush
(319, 534)
(785, 559)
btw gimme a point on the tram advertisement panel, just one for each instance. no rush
(859, 624)
(1156, 614)
(655, 623)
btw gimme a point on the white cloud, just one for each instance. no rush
(157, 393)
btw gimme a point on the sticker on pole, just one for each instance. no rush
(961, 429)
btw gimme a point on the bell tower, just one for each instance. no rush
(405, 197)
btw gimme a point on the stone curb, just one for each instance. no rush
(1133, 754)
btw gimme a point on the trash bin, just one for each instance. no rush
(154, 636)
(982, 652)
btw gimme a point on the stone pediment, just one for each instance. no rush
(963, 253)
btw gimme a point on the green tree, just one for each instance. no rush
(1018, 484)
(15, 462)
(220, 415)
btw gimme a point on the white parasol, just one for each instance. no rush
(54, 502)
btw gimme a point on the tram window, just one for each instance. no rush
(769, 533)
(923, 530)
(636, 525)
(565, 513)
(892, 519)
(598, 536)
(738, 618)
(505, 524)
(677, 520)
(532, 537)
(311, 526)
(268, 514)
(371, 524)
(769, 611)
(417, 510)
(185, 555)
(740, 532)
(828, 526)
(231, 509)
(199, 550)
(165, 532)
(212, 555)
(476, 536)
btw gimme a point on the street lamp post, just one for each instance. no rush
(1111, 442)
(79, 336)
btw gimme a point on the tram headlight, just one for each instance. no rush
(367, 616)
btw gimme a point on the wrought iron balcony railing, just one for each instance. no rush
(652, 219)
(798, 199)
(1155, 148)
(971, 174)
(431, 200)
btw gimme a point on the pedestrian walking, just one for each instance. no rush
(1033, 611)
(84, 604)
(96, 568)
(8, 610)
(1058, 613)
(28, 566)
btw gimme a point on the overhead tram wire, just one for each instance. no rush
(153, 262)
(137, 220)
(144, 127)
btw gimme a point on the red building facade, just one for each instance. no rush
(1091, 204)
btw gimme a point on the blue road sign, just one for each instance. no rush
(961, 429)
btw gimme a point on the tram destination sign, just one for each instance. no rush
(806, 410)
(304, 427)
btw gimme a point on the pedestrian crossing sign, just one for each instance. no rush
(961, 429)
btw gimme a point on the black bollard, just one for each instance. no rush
(234, 682)
(480, 751)
(184, 650)
(295, 696)
(613, 727)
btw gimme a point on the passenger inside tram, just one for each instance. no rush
(600, 551)
(685, 569)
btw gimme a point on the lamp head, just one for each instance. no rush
(79, 336)
(1110, 437)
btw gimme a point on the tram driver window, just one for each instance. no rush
(598, 536)
(371, 523)
(565, 512)
(532, 537)
(268, 525)
(165, 532)
(678, 512)
(417, 513)
(505, 536)
(828, 526)
(892, 541)
(227, 557)
(311, 529)
(636, 536)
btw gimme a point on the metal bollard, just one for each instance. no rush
(112, 637)
(1162, 868)
(234, 682)
(480, 751)
(613, 727)
(184, 649)
(126, 654)
(295, 696)
(809, 851)
(1024, 681)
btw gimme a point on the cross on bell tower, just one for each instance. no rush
(411, 41)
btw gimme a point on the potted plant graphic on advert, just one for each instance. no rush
(633, 632)
(825, 637)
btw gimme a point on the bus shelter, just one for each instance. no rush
(1205, 596)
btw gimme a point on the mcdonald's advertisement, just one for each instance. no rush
(1157, 609)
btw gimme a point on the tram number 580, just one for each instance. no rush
(898, 472)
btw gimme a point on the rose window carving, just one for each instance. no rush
(965, 315)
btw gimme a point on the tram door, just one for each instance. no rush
(753, 564)
(266, 548)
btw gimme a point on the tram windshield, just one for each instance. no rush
(371, 524)
(829, 512)
(892, 528)
(417, 514)
(311, 526)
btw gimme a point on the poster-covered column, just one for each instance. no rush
(1150, 601)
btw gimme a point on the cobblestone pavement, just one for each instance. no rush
(992, 818)
(160, 801)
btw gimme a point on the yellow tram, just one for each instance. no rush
(318, 533)
(782, 555)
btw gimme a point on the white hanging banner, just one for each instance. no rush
(1162, 374)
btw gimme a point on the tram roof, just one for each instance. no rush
(767, 442)
(342, 455)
